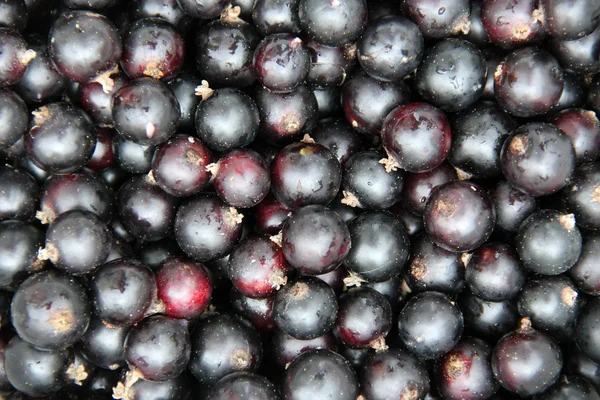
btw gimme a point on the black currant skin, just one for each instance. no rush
(158, 348)
(584, 273)
(36, 372)
(578, 55)
(583, 128)
(286, 347)
(77, 242)
(146, 111)
(512, 206)
(459, 216)
(452, 74)
(588, 330)
(258, 311)
(13, 118)
(275, 16)
(131, 157)
(430, 325)
(184, 87)
(571, 387)
(582, 196)
(50, 310)
(122, 291)
(393, 373)
(339, 137)
(104, 346)
(526, 362)
(178, 388)
(19, 194)
(222, 344)
(206, 228)
(380, 246)
(14, 57)
(244, 385)
(61, 138)
(333, 23)
(306, 308)
(510, 24)
(418, 186)
(330, 65)
(84, 44)
(488, 320)
(366, 184)
(549, 242)
(438, 19)
(315, 240)
(538, 159)
(319, 374)
(203, 9)
(19, 244)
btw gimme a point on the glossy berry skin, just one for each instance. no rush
(366, 184)
(587, 329)
(513, 79)
(145, 111)
(538, 159)
(61, 138)
(438, 19)
(305, 173)
(286, 347)
(419, 186)
(569, 21)
(552, 303)
(548, 242)
(583, 128)
(168, 10)
(512, 206)
(466, 372)
(510, 23)
(184, 88)
(258, 311)
(333, 23)
(206, 228)
(179, 166)
(530, 349)
(236, 127)
(281, 62)
(171, 389)
(184, 287)
(103, 156)
(154, 48)
(14, 57)
(132, 157)
(270, 215)
(495, 273)
(285, 117)
(13, 118)
(416, 137)
(430, 325)
(459, 216)
(434, 268)
(159, 348)
(488, 320)
(330, 65)
(122, 291)
(319, 374)
(96, 97)
(366, 101)
(83, 45)
(204, 9)
(241, 178)
(257, 267)
(224, 50)
(315, 240)
(275, 16)
(77, 242)
(146, 211)
(305, 308)
(339, 137)
(242, 385)
(77, 191)
(19, 244)
(390, 48)
(35, 372)
(579, 197)
(50, 310)
(452, 75)
(578, 55)
(570, 387)
(19, 194)
(477, 138)
(380, 246)
(393, 373)
(14, 15)
(584, 273)
(477, 33)
(104, 346)
(222, 344)
(364, 319)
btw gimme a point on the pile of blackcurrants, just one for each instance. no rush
(299, 199)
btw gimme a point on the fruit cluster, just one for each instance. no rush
(299, 199)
